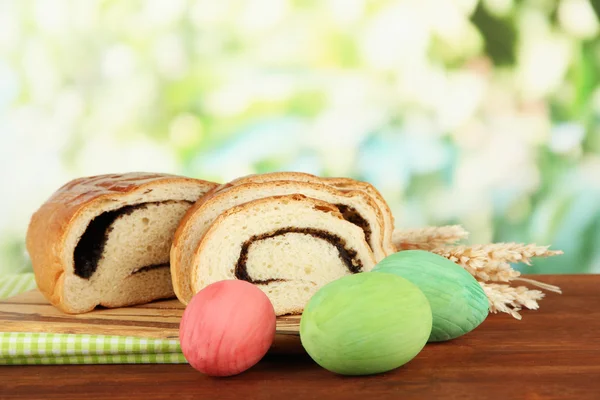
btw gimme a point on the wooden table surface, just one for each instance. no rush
(553, 353)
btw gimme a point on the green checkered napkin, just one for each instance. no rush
(49, 348)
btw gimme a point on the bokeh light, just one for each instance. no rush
(484, 113)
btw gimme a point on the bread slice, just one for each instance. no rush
(105, 240)
(345, 184)
(355, 206)
(289, 246)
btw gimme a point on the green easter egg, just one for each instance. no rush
(458, 302)
(365, 324)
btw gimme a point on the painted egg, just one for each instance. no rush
(227, 328)
(458, 302)
(365, 324)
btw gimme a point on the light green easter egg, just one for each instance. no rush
(365, 324)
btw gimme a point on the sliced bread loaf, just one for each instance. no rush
(289, 246)
(105, 240)
(355, 206)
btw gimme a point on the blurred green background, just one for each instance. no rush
(484, 113)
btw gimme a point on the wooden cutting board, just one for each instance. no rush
(31, 312)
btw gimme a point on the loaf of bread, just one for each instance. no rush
(105, 240)
(355, 206)
(289, 246)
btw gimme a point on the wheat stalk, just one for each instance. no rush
(491, 262)
(486, 262)
(478, 263)
(541, 285)
(511, 300)
(516, 252)
(428, 238)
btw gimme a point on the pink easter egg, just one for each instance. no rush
(227, 328)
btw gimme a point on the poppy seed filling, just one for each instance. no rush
(351, 215)
(90, 248)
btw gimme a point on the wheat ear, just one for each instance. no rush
(516, 252)
(511, 300)
(491, 262)
(428, 238)
(478, 263)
